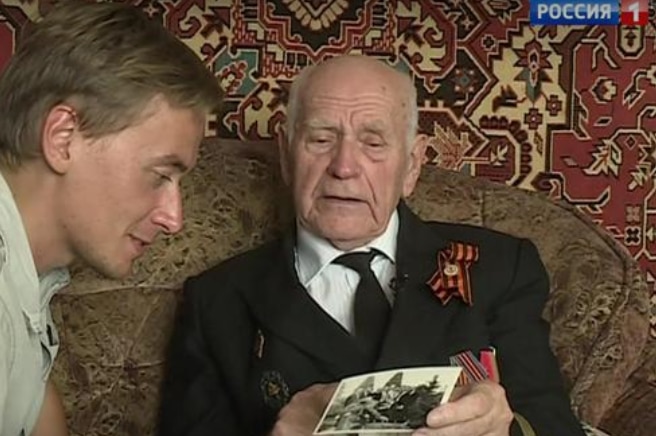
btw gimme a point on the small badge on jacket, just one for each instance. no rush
(275, 390)
(258, 345)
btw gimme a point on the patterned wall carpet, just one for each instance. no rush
(569, 111)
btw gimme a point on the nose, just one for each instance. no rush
(168, 214)
(344, 162)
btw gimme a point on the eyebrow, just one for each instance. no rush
(376, 126)
(170, 160)
(319, 124)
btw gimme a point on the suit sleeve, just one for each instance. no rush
(194, 399)
(528, 369)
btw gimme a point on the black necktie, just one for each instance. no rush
(371, 308)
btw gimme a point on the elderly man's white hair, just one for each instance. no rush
(294, 103)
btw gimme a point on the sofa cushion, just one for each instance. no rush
(114, 333)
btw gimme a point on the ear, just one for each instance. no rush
(285, 155)
(415, 162)
(59, 128)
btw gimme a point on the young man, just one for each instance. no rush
(101, 113)
(263, 337)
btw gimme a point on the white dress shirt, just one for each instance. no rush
(28, 337)
(333, 286)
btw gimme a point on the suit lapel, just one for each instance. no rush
(285, 307)
(419, 324)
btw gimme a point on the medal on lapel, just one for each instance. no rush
(274, 388)
(451, 279)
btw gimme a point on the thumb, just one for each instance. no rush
(459, 392)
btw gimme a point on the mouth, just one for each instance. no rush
(343, 199)
(140, 244)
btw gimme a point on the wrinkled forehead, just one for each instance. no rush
(349, 81)
(374, 103)
(373, 108)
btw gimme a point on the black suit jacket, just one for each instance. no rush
(249, 335)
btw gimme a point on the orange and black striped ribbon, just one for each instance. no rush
(472, 369)
(448, 281)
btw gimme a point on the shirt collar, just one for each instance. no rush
(18, 245)
(51, 283)
(314, 253)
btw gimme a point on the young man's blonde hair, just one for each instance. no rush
(106, 60)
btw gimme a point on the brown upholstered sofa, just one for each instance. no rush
(113, 333)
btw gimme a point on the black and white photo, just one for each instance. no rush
(387, 402)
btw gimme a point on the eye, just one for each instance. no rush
(161, 178)
(320, 140)
(373, 141)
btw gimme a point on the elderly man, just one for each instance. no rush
(101, 113)
(359, 284)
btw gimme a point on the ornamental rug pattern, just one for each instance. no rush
(567, 110)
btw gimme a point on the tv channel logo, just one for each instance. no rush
(634, 12)
(575, 12)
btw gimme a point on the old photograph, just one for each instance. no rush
(395, 401)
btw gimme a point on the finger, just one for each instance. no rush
(468, 407)
(317, 397)
(459, 392)
(475, 427)
(327, 391)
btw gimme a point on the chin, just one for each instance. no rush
(349, 227)
(347, 238)
(114, 271)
